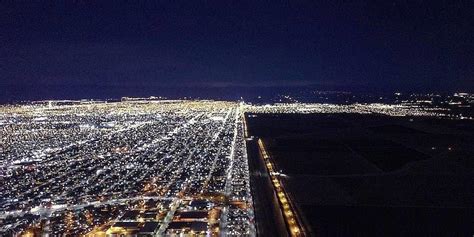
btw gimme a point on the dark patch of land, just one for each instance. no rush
(371, 175)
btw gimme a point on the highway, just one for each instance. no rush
(292, 221)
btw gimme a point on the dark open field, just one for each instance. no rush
(368, 175)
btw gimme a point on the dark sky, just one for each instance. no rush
(356, 44)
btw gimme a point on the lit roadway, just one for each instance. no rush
(292, 221)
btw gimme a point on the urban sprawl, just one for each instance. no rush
(140, 167)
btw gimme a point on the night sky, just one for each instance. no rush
(396, 45)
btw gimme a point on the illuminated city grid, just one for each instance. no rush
(137, 167)
(140, 167)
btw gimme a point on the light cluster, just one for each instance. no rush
(374, 108)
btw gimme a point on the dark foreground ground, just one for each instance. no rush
(367, 175)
